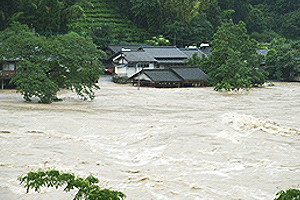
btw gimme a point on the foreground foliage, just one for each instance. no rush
(46, 64)
(87, 188)
(290, 194)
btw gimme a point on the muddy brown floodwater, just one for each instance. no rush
(160, 144)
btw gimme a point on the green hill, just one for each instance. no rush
(112, 26)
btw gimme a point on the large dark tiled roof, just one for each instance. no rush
(162, 75)
(165, 52)
(190, 73)
(176, 74)
(138, 57)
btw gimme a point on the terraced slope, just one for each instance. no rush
(103, 14)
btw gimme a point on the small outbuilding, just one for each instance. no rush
(170, 78)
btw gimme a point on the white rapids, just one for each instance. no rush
(157, 144)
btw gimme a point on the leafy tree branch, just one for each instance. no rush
(87, 188)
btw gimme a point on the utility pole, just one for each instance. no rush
(139, 81)
(174, 42)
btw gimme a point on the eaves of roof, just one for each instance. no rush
(190, 73)
(165, 52)
(170, 61)
(138, 57)
(162, 75)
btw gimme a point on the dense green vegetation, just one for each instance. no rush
(189, 22)
(233, 63)
(233, 27)
(99, 18)
(86, 188)
(282, 60)
(183, 22)
(47, 64)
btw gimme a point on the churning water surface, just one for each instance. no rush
(160, 144)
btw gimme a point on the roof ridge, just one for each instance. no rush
(160, 47)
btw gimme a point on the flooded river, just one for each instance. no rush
(157, 144)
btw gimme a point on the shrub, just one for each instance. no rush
(120, 79)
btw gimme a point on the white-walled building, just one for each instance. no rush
(127, 62)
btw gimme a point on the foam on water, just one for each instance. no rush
(248, 123)
(174, 144)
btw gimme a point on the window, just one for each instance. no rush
(9, 67)
(143, 65)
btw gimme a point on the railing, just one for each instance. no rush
(7, 74)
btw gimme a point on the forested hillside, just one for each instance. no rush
(99, 18)
(107, 24)
(192, 21)
(183, 22)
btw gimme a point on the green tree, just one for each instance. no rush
(278, 41)
(281, 63)
(86, 188)
(241, 8)
(64, 61)
(201, 30)
(213, 14)
(72, 13)
(233, 63)
(283, 6)
(188, 9)
(158, 41)
(102, 35)
(264, 37)
(48, 16)
(271, 59)
(75, 63)
(146, 13)
(255, 20)
(290, 24)
(7, 9)
(184, 21)
(32, 80)
(226, 4)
